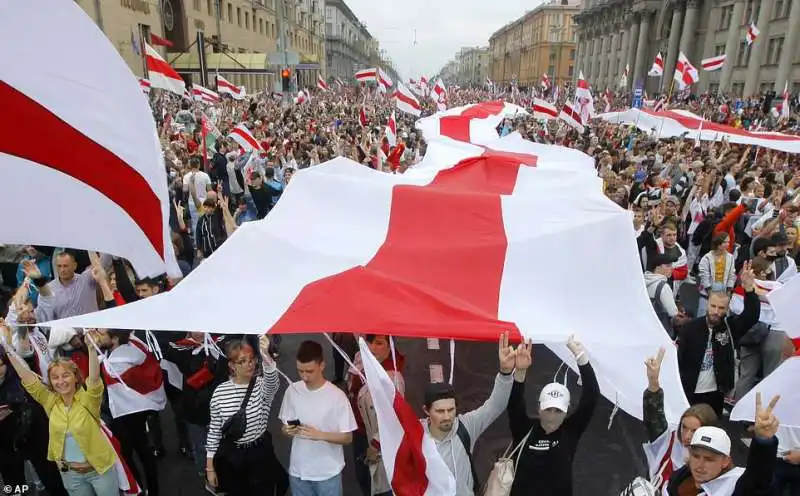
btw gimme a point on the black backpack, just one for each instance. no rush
(663, 316)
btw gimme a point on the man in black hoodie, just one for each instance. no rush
(706, 345)
(550, 441)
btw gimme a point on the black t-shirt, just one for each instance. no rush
(545, 464)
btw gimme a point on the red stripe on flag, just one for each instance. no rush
(694, 124)
(418, 276)
(406, 99)
(457, 126)
(69, 151)
(247, 137)
(408, 478)
(162, 67)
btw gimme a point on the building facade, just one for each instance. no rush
(616, 33)
(350, 46)
(242, 37)
(472, 66)
(543, 41)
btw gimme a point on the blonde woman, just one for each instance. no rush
(77, 443)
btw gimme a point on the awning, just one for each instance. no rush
(243, 63)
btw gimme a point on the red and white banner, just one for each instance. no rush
(366, 75)
(134, 380)
(406, 101)
(412, 462)
(685, 73)
(321, 84)
(713, 63)
(674, 123)
(584, 101)
(544, 110)
(658, 66)
(145, 85)
(384, 81)
(391, 130)
(114, 172)
(227, 88)
(571, 114)
(469, 124)
(241, 135)
(161, 74)
(465, 273)
(439, 91)
(752, 33)
(202, 94)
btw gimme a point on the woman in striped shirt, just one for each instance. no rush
(248, 465)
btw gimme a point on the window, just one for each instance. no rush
(261, 26)
(210, 7)
(774, 49)
(230, 13)
(766, 86)
(713, 88)
(247, 20)
(196, 5)
(239, 16)
(777, 9)
(572, 54)
(725, 17)
(719, 50)
(737, 88)
(571, 71)
(551, 69)
(743, 55)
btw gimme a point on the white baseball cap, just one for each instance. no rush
(554, 395)
(712, 438)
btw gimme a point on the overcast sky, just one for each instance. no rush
(443, 27)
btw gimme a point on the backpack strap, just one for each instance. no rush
(659, 289)
(466, 441)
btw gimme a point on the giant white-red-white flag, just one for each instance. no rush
(242, 136)
(111, 187)
(468, 124)
(413, 465)
(161, 74)
(406, 101)
(226, 87)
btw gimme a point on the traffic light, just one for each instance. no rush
(286, 77)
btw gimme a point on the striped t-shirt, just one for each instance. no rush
(227, 399)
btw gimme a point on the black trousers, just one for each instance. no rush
(714, 399)
(175, 398)
(252, 470)
(131, 431)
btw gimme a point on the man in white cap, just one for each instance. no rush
(710, 470)
(548, 444)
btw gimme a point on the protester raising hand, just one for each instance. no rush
(748, 277)
(653, 365)
(506, 354)
(577, 350)
(766, 423)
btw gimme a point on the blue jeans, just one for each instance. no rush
(197, 438)
(92, 483)
(330, 487)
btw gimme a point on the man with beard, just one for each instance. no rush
(706, 345)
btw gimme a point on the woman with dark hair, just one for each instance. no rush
(240, 457)
(23, 433)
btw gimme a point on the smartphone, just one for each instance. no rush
(294, 423)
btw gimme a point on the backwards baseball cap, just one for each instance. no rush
(712, 438)
(554, 395)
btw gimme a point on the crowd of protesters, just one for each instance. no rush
(716, 223)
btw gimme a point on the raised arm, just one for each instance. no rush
(590, 395)
(518, 419)
(94, 361)
(26, 375)
(655, 422)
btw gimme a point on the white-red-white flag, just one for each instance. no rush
(571, 114)
(685, 73)
(413, 465)
(406, 101)
(366, 75)
(544, 110)
(321, 84)
(384, 81)
(713, 63)
(391, 130)
(226, 87)
(202, 94)
(362, 117)
(241, 135)
(161, 74)
(145, 85)
(752, 33)
(658, 66)
(439, 91)
(608, 97)
(114, 172)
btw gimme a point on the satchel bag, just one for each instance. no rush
(233, 428)
(501, 478)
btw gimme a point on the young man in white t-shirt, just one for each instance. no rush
(318, 416)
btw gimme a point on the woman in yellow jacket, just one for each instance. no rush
(77, 444)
